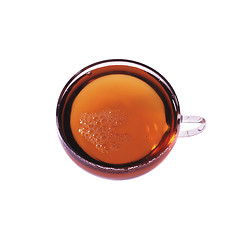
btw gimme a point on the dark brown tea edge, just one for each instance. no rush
(112, 171)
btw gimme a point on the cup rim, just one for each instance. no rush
(110, 62)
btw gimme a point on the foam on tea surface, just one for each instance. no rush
(100, 128)
(118, 119)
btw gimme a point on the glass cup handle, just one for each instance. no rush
(194, 131)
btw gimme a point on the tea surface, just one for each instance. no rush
(118, 119)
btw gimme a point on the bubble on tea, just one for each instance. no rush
(100, 128)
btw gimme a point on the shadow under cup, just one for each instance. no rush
(130, 68)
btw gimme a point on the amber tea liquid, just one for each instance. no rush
(120, 117)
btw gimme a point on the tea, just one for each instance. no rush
(118, 119)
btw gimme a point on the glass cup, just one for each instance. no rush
(119, 119)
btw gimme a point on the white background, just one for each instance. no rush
(193, 194)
